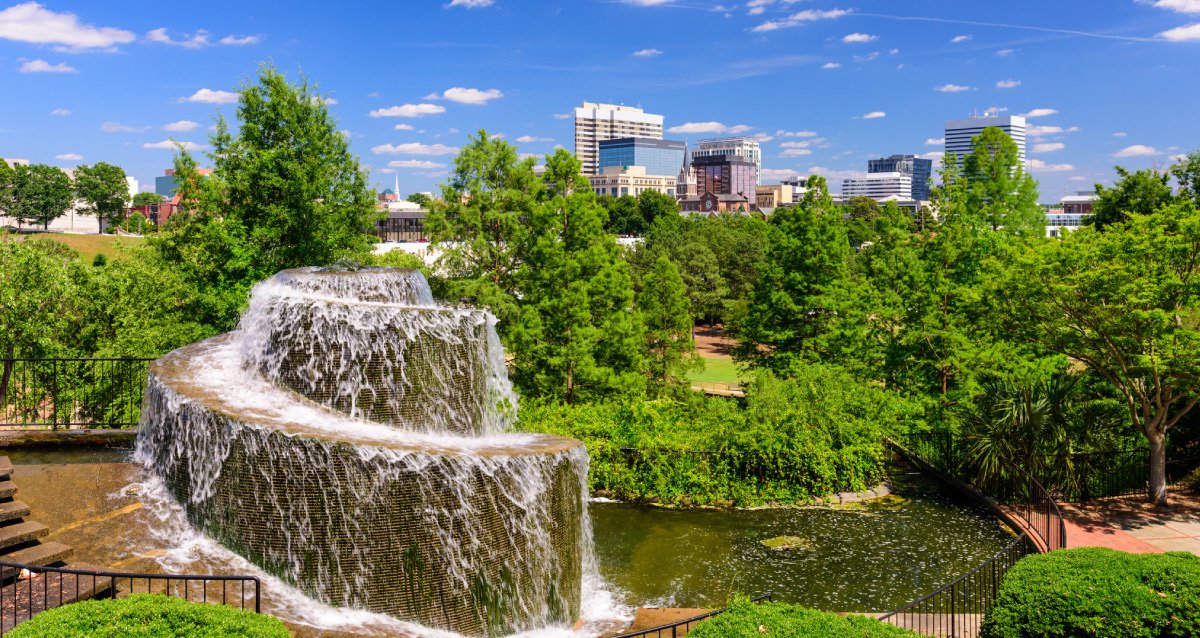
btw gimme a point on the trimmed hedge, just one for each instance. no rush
(779, 620)
(1095, 591)
(149, 616)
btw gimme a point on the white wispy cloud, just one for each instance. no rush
(1008, 84)
(779, 173)
(1039, 113)
(409, 110)
(1048, 147)
(1077, 178)
(31, 22)
(497, 136)
(1182, 34)
(209, 96)
(1119, 134)
(415, 164)
(170, 145)
(1042, 167)
(783, 133)
(60, 112)
(803, 144)
(414, 148)
(932, 155)
(646, 53)
(1037, 131)
(795, 152)
(42, 66)
(404, 127)
(831, 175)
(196, 40)
(317, 99)
(562, 116)
(69, 157)
(470, 4)
(874, 114)
(935, 141)
(708, 127)
(961, 38)
(1004, 52)
(117, 127)
(373, 94)
(763, 137)
(466, 96)
(181, 125)
(797, 19)
(832, 65)
(860, 37)
(526, 139)
(1179, 6)
(951, 88)
(237, 41)
(646, 3)
(1137, 150)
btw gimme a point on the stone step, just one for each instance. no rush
(6, 467)
(7, 489)
(39, 554)
(25, 599)
(21, 532)
(13, 509)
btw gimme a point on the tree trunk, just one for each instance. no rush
(1158, 468)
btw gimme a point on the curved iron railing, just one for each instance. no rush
(686, 623)
(34, 589)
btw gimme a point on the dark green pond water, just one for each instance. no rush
(866, 558)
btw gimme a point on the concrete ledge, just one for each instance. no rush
(11, 439)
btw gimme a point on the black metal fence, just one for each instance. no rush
(54, 393)
(957, 610)
(673, 629)
(41, 588)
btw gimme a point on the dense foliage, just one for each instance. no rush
(745, 619)
(149, 616)
(1093, 591)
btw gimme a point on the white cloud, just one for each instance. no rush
(526, 139)
(708, 127)
(432, 173)
(1118, 134)
(755, 11)
(415, 164)
(1039, 113)
(69, 157)
(874, 114)
(860, 37)
(1042, 167)
(170, 145)
(182, 125)
(1077, 178)
(1136, 150)
(414, 148)
(373, 94)
(961, 38)
(230, 40)
(209, 96)
(1004, 52)
(60, 112)
(832, 65)
(192, 41)
(935, 141)
(1182, 34)
(42, 66)
(30, 22)
(1008, 84)
(562, 116)
(1180, 6)
(1179, 158)
(452, 131)
(894, 52)
(409, 110)
(467, 96)
(647, 53)
(797, 19)
(316, 99)
(346, 133)
(795, 152)
(763, 137)
(494, 136)
(782, 133)
(951, 88)
(830, 174)
(470, 4)
(1048, 147)
(933, 155)
(404, 127)
(779, 173)
(117, 127)
(389, 171)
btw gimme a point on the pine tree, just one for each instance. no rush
(670, 350)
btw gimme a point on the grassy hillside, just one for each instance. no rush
(88, 245)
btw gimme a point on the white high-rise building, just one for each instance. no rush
(595, 122)
(745, 147)
(879, 186)
(960, 132)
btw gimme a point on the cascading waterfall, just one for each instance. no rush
(349, 438)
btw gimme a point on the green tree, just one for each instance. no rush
(624, 215)
(670, 349)
(103, 191)
(142, 199)
(578, 336)
(1001, 193)
(481, 224)
(652, 205)
(1140, 192)
(1124, 303)
(40, 194)
(421, 199)
(1187, 172)
(7, 177)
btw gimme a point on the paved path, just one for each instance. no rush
(1132, 525)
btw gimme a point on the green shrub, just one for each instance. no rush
(99, 260)
(778, 620)
(149, 616)
(1095, 591)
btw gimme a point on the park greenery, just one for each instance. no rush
(745, 619)
(149, 616)
(961, 318)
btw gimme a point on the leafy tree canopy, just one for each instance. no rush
(103, 191)
(141, 199)
(1141, 192)
(40, 194)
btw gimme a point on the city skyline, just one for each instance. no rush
(825, 86)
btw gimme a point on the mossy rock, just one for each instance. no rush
(786, 542)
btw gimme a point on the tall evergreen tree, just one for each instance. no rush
(103, 190)
(670, 349)
(1001, 192)
(578, 336)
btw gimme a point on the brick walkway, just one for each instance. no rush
(1133, 525)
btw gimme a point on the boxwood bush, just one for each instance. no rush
(1095, 591)
(779, 620)
(149, 616)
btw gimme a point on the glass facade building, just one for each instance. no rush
(659, 157)
(725, 175)
(919, 169)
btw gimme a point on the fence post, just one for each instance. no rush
(54, 394)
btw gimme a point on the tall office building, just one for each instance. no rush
(658, 156)
(745, 147)
(595, 122)
(959, 132)
(919, 169)
(879, 186)
(725, 175)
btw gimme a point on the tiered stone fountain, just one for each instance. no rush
(349, 438)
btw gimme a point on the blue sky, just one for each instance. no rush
(826, 85)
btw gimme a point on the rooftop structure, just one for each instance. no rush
(656, 155)
(960, 132)
(745, 147)
(879, 186)
(617, 181)
(595, 122)
(725, 175)
(919, 169)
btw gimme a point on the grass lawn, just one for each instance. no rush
(720, 369)
(88, 245)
